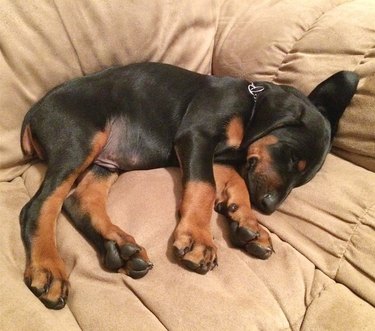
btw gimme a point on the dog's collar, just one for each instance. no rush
(254, 91)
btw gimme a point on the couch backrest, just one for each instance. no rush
(301, 43)
(44, 43)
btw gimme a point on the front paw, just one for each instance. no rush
(48, 281)
(196, 251)
(245, 232)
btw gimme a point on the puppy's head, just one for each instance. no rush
(290, 135)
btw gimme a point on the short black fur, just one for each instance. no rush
(157, 115)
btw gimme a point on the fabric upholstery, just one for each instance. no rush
(333, 227)
(322, 274)
(298, 45)
(255, 294)
(44, 43)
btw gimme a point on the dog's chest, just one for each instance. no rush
(135, 146)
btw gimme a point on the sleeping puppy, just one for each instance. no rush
(235, 142)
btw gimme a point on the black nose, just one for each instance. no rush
(269, 203)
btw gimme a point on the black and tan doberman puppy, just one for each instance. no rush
(229, 136)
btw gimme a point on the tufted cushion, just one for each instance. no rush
(242, 293)
(331, 220)
(301, 45)
(322, 275)
(44, 43)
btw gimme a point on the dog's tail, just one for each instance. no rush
(29, 145)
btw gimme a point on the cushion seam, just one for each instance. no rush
(360, 219)
(69, 37)
(245, 258)
(324, 288)
(283, 62)
(143, 302)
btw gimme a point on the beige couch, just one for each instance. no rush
(322, 276)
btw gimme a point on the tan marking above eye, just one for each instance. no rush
(235, 132)
(258, 148)
(301, 165)
(265, 165)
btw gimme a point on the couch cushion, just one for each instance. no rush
(336, 230)
(356, 138)
(334, 309)
(242, 293)
(301, 43)
(18, 308)
(331, 221)
(44, 43)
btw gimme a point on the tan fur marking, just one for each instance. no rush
(193, 238)
(259, 149)
(197, 203)
(193, 234)
(231, 188)
(226, 177)
(235, 132)
(44, 245)
(92, 194)
(301, 165)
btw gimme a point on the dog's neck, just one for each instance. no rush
(254, 91)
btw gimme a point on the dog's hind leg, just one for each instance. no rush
(86, 208)
(45, 273)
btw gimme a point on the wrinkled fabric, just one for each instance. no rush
(322, 274)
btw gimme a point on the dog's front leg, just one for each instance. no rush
(193, 239)
(233, 201)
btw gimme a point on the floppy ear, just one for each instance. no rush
(268, 115)
(333, 95)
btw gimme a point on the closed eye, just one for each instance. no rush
(294, 160)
